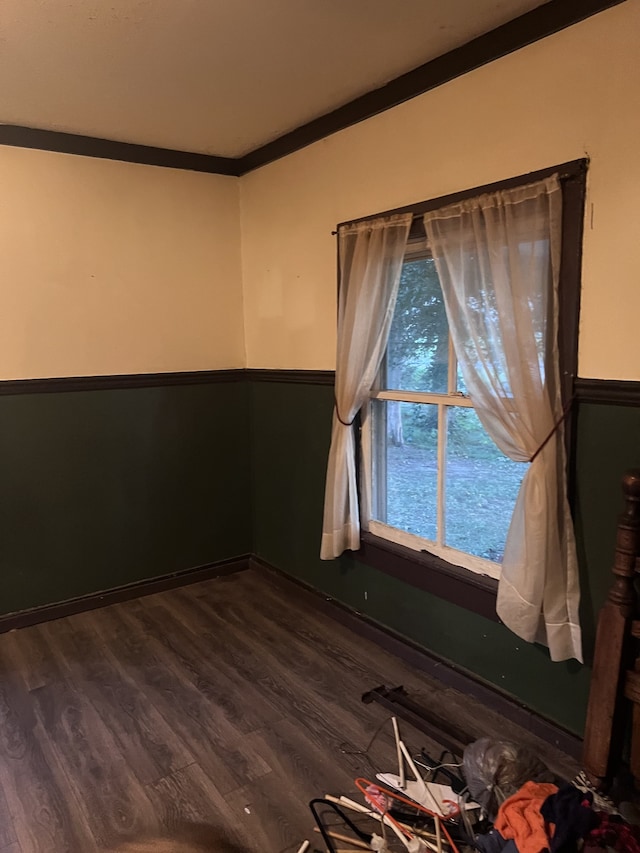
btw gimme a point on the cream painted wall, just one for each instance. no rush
(575, 93)
(111, 267)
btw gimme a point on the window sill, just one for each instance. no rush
(474, 592)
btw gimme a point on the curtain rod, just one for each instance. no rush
(565, 171)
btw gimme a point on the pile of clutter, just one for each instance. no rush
(531, 813)
(500, 799)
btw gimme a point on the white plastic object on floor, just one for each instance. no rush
(431, 795)
(415, 789)
(396, 734)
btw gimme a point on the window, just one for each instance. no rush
(436, 493)
(438, 482)
(504, 262)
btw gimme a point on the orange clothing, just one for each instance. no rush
(519, 817)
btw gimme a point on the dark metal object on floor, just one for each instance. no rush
(398, 701)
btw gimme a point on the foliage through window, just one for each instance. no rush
(438, 482)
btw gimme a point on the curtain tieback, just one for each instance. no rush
(337, 411)
(555, 429)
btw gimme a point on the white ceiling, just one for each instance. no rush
(215, 76)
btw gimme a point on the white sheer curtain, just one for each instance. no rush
(498, 259)
(370, 256)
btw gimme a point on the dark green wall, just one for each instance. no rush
(106, 487)
(291, 430)
(608, 445)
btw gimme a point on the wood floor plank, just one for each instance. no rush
(286, 691)
(34, 656)
(428, 692)
(345, 655)
(140, 730)
(327, 672)
(225, 660)
(318, 696)
(269, 817)
(190, 797)
(225, 705)
(204, 730)
(244, 709)
(296, 761)
(112, 802)
(43, 812)
(226, 714)
(323, 646)
(293, 755)
(7, 829)
(339, 643)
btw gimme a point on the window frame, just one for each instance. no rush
(424, 569)
(374, 459)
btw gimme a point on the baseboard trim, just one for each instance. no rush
(138, 589)
(429, 663)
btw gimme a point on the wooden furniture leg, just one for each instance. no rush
(632, 692)
(602, 737)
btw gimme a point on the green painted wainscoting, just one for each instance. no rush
(100, 488)
(113, 485)
(291, 431)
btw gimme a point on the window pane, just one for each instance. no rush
(418, 350)
(481, 488)
(405, 460)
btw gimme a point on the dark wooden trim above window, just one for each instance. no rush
(571, 170)
(425, 571)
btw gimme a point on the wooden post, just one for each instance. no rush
(602, 737)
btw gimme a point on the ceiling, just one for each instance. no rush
(220, 77)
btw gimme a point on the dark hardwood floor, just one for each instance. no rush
(231, 702)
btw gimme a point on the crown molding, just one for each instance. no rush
(543, 21)
(108, 149)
